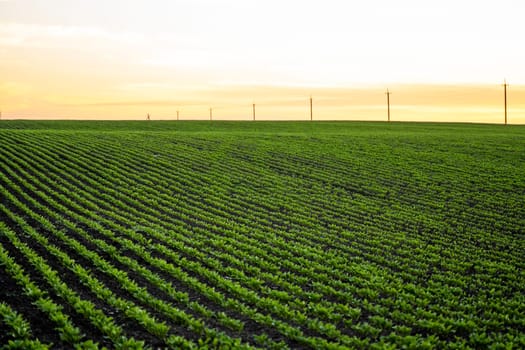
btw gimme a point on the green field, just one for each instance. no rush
(321, 235)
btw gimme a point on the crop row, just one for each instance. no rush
(202, 240)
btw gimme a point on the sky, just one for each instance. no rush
(122, 59)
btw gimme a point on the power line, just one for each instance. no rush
(505, 97)
(296, 105)
(311, 109)
(388, 102)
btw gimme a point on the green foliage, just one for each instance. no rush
(18, 327)
(273, 235)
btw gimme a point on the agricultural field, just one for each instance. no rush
(272, 235)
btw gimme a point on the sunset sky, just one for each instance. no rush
(121, 59)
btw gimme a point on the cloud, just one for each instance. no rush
(132, 103)
(36, 35)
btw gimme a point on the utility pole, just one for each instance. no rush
(210, 114)
(253, 106)
(311, 109)
(177, 115)
(505, 97)
(388, 103)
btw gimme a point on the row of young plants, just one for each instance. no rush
(517, 285)
(281, 244)
(157, 329)
(68, 332)
(63, 210)
(18, 330)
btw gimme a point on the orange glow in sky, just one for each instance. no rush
(115, 59)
